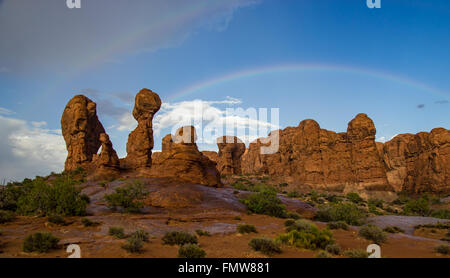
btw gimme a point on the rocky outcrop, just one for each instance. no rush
(309, 155)
(231, 150)
(180, 159)
(419, 163)
(106, 165)
(140, 141)
(81, 130)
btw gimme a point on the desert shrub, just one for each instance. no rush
(443, 249)
(417, 207)
(202, 233)
(334, 249)
(264, 245)
(300, 225)
(438, 225)
(191, 251)
(323, 255)
(179, 238)
(40, 242)
(373, 209)
(432, 199)
(354, 198)
(89, 223)
(265, 202)
(140, 234)
(349, 213)
(293, 194)
(356, 253)
(6, 216)
(10, 194)
(393, 230)
(333, 198)
(238, 218)
(116, 232)
(441, 213)
(314, 196)
(293, 215)
(373, 233)
(57, 219)
(283, 184)
(289, 222)
(337, 225)
(401, 200)
(246, 229)
(134, 244)
(60, 197)
(130, 197)
(376, 202)
(307, 235)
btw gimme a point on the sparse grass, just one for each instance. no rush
(265, 202)
(40, 242)
(438, 225)
(337, 225)
(349, 213)
(130, 197)
(57, 219)
(134, 244)
(191, 251)
(179, 238)
(334, 249)
(323, 255)
(246, 229)
(356, 253)
(441, 213)
(6, 216)
(304, 234)
(373, 233)
(141, 235)
(202, 233)
(117, 232)
(89, 223)
(266, 246)
(443, 249)
(393, 230)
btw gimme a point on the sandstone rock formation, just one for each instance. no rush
(140, 141)
(419, 163)
(324, 159)
(231, 150)
(180, 159)
(106, 165)
(81, 130)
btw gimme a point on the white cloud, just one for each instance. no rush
(46, 34)
(4, 111)
(29, 149)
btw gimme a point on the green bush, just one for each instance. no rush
(349, 213)
(246, 229)
(57, 219)
(265, 202)
(356, 253)
(60, 197)
(6, 216)
(417, 207)
(393, 230)
(401, 200)
(117, 232)
(133, 245)
(376, 202)
(10, 194)
(265, 245)
(140, 234)
(289, 222)
(337, 225)
(300, 225)
(130, 197)
(354, 198)
(334, 249)
(40, 242)
(179, 238)
(89, 223)
(293, 194)
(373, 233)
(293, 215)
(238, 218)
(443, 249)
(191, 251)
(441, 213)
(306, 235)
(202, 233)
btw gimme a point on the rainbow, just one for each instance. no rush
(260, 71)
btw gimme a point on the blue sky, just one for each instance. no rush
(327, 60)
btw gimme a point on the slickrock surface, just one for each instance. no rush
(81, 130)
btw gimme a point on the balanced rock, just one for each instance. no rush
(231, 150)
(106, 164)
(81, 130)
(140, 141)
(181, 160)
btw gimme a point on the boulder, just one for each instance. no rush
(231, 150)
(81, 130)
(106, 165)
